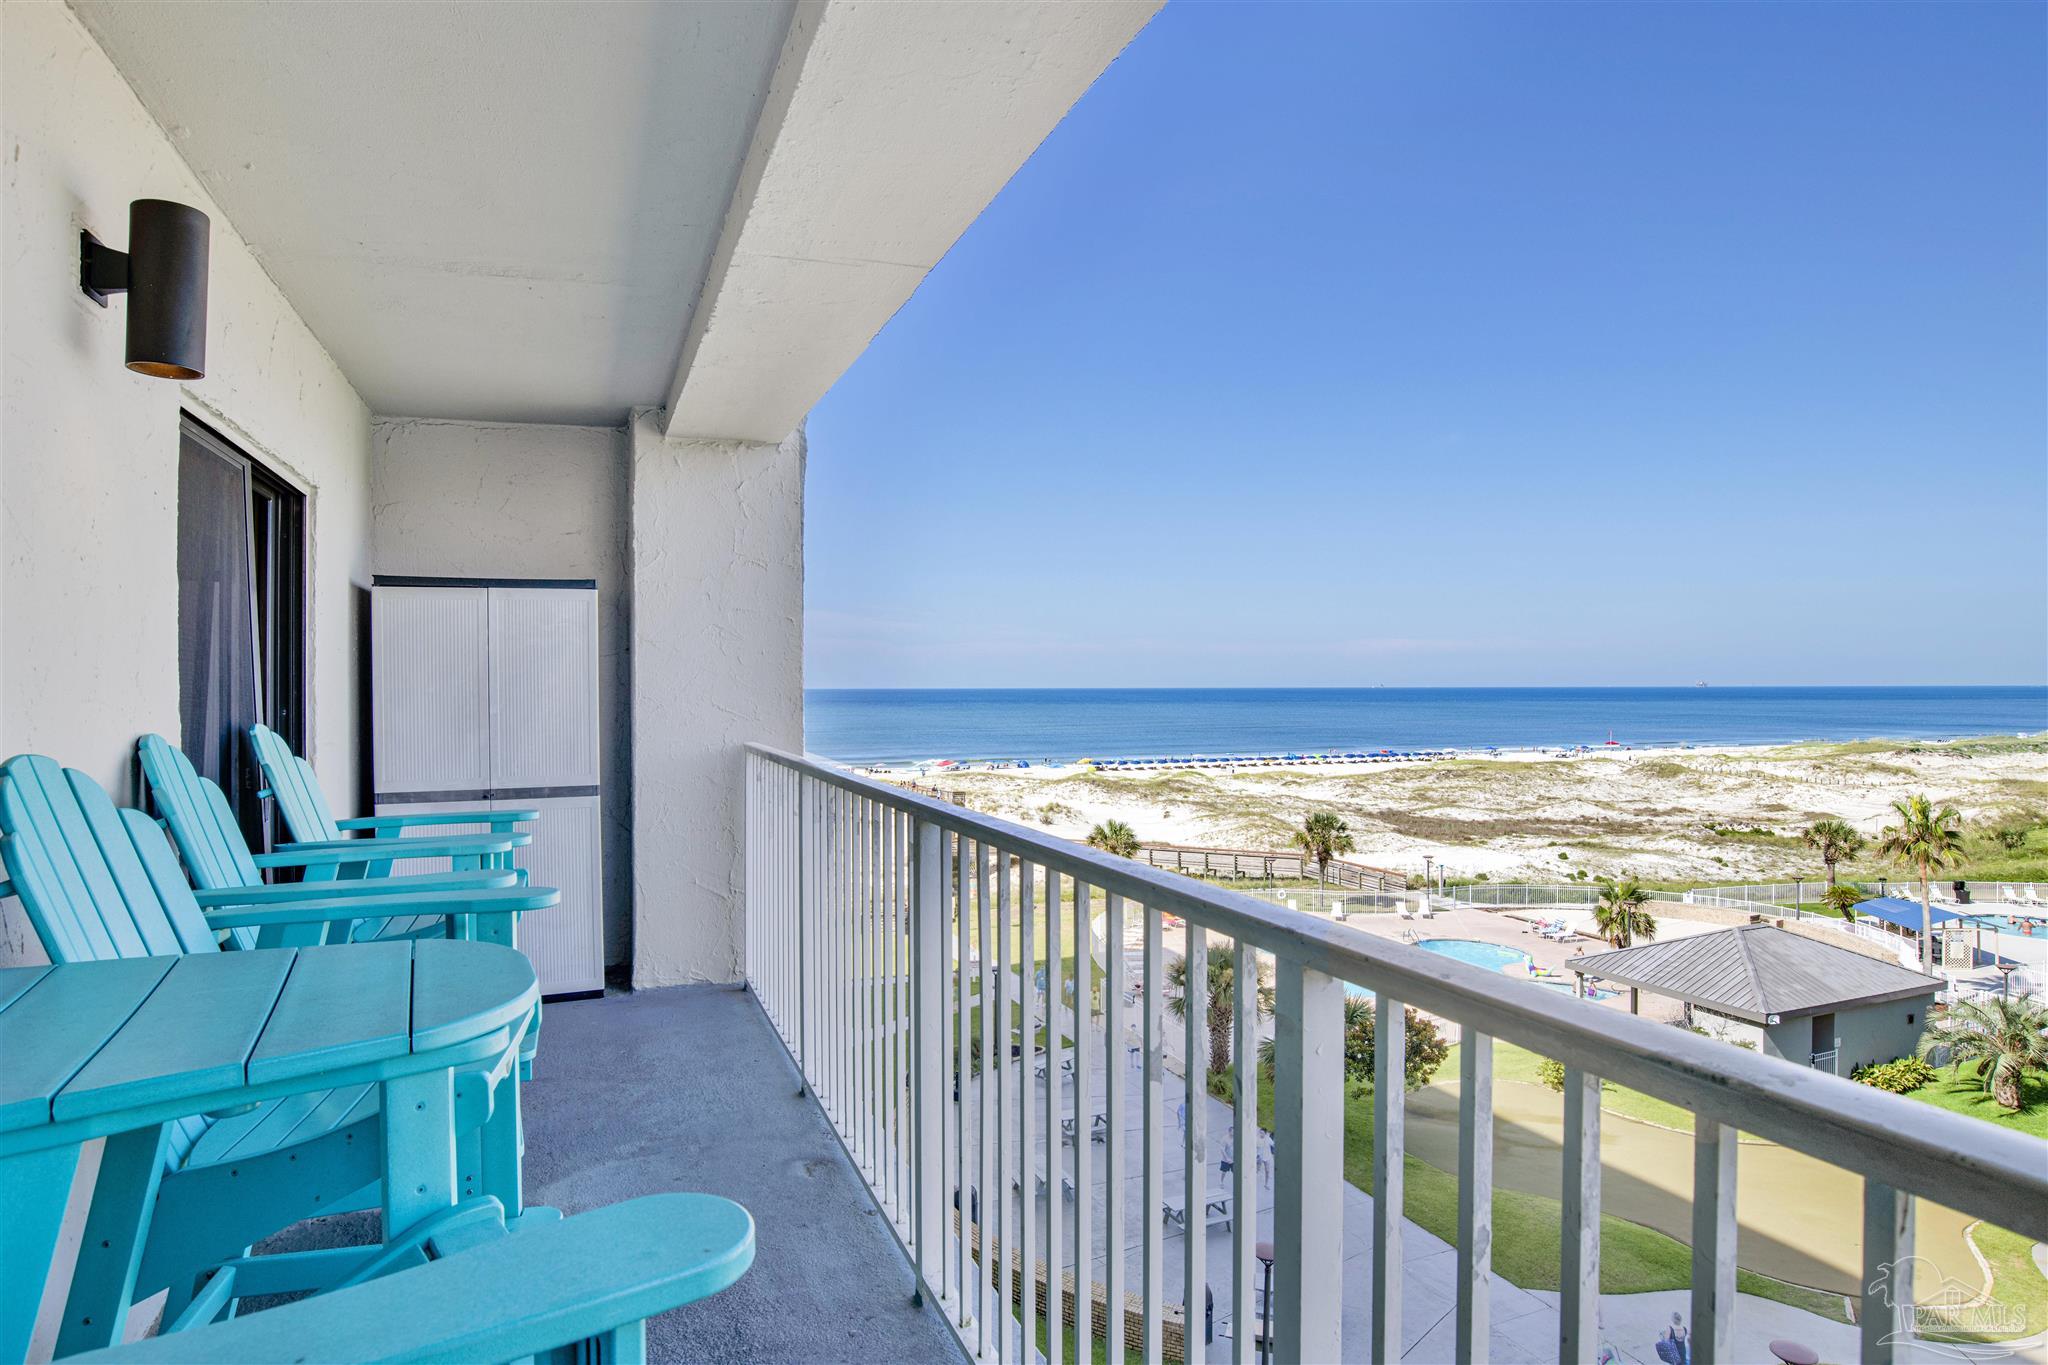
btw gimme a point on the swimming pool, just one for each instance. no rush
(1492, 957)
(2036, 925)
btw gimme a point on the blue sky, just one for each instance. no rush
(1475, 344)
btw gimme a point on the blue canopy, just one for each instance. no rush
(1903, 913)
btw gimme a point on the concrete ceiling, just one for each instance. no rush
(486, 211)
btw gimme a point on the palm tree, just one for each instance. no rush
(1114, 837)
(1926, 840)
(1322, 837)
(1221, 1013)
(2005, 1038)
(1835, 841)
(1619, 914)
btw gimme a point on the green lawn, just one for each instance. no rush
(1511, 1063)
(1962, 1093)
(1527, 1228)
(2016, 1281)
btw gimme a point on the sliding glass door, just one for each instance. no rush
(241, 614)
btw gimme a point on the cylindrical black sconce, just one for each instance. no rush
(163, 272)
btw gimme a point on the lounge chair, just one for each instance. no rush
(100, 884)
(577, 1288)
(291, 783)
(225, 871)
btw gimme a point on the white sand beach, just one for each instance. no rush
(1663, 814)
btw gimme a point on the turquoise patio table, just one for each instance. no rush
(92, 1049)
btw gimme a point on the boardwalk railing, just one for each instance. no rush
(1251, 865)
(912, 955)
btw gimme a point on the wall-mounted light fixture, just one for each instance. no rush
(163, 272)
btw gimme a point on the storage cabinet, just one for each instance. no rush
(484, 696)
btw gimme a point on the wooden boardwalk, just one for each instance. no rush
(1249, 864)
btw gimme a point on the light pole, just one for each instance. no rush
(1264, 1251)
(2005, 970)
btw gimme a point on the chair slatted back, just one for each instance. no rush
(294, 787)
(98, 883)
(202, 824)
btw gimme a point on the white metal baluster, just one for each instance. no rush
(1004, 1063)
(1579, 1274)
(1027, 1133)
(1713, 1240)
(1115, 1105)
(984, 1131)
(1055, 1158)
(1389, 1169)
(898, 1010)
(842, 886)
(963, 1286)
(848, 862)
(1154, 1084)
(928, 1055)
(1887, 1271)
(1308, 1218)
(877, 1090)
(1475, 1196)
(826, 922)
(857, 922)
(1084, 1175)
(1195, 1146)
(1244, 1191)
(806, 890)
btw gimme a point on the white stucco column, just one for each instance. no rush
(717, 562)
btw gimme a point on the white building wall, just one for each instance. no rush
(718, 598)
(496, 500)
(89, 450)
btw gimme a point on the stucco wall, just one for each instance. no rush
(718, 599)
(493, 500)
(89, 451)
(1874, 1033)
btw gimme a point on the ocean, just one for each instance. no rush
(896, 727)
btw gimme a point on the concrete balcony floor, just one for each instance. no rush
(688, 1089)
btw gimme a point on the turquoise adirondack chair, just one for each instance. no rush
(225, 871)
(577, 1290)
(100, 883)
(290, 781)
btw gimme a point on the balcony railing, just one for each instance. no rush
(890, 938)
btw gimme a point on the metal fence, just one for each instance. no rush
(1514, 895)
(887, 934)
(1785, 895)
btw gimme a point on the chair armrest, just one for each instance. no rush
(6, 888)
(287, 892)
(381, 850)
(520, 1295)
(503, 901)
(499, 820)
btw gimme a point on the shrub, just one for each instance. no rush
(1899, 1075)
(1843, 900)
(1550, 1071)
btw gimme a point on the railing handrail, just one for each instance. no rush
(1954, 1159)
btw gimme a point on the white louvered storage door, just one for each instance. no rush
(430, 675)
(543, 672)
(566, 943)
